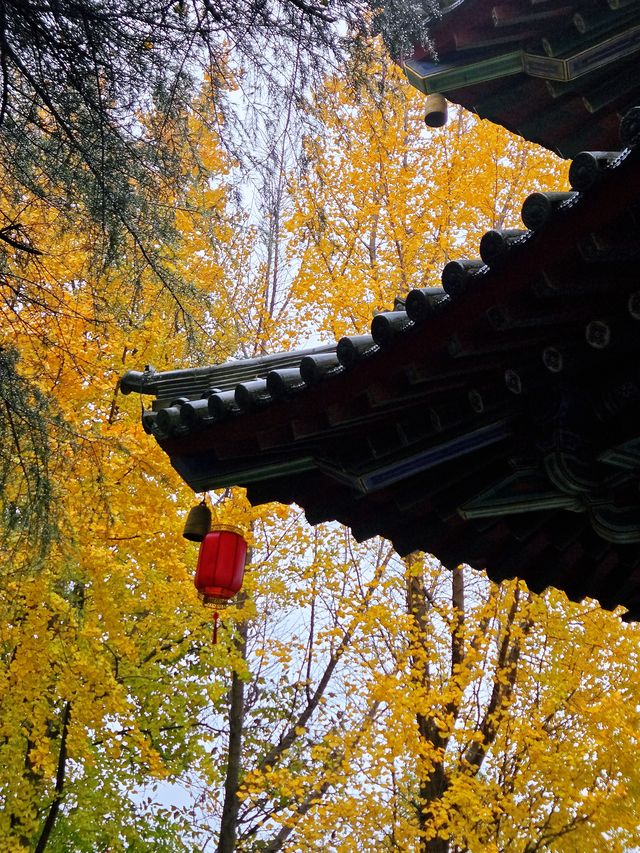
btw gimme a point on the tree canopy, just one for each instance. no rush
(355, 701)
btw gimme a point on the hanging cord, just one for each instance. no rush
(214, 639)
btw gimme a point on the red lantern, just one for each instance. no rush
(220, 570)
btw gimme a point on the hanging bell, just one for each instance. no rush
(198, 523)
(436, 112)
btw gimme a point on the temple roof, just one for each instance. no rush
(494, 421)
(557, 72)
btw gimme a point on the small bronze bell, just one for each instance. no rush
(198, 523)
(436, 113)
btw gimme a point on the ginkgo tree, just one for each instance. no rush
(385, 202)
(394, 704)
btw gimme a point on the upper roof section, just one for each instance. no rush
(557, 72)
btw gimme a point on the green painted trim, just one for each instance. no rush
(526, 491)
(266, 472)
(432, 79)
(243, 477)
(626, 455)
(597, 56)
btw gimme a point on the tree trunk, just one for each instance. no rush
(54, 808)
(432, 779)
(436, 845)
(432, 789)
(231, 805)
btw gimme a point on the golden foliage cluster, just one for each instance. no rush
(355, 701)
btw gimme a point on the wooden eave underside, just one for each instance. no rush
(535, 476)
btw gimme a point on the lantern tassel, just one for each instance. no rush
(215, 627)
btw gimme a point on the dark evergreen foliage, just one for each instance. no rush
(27, 508)
(405, 23)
